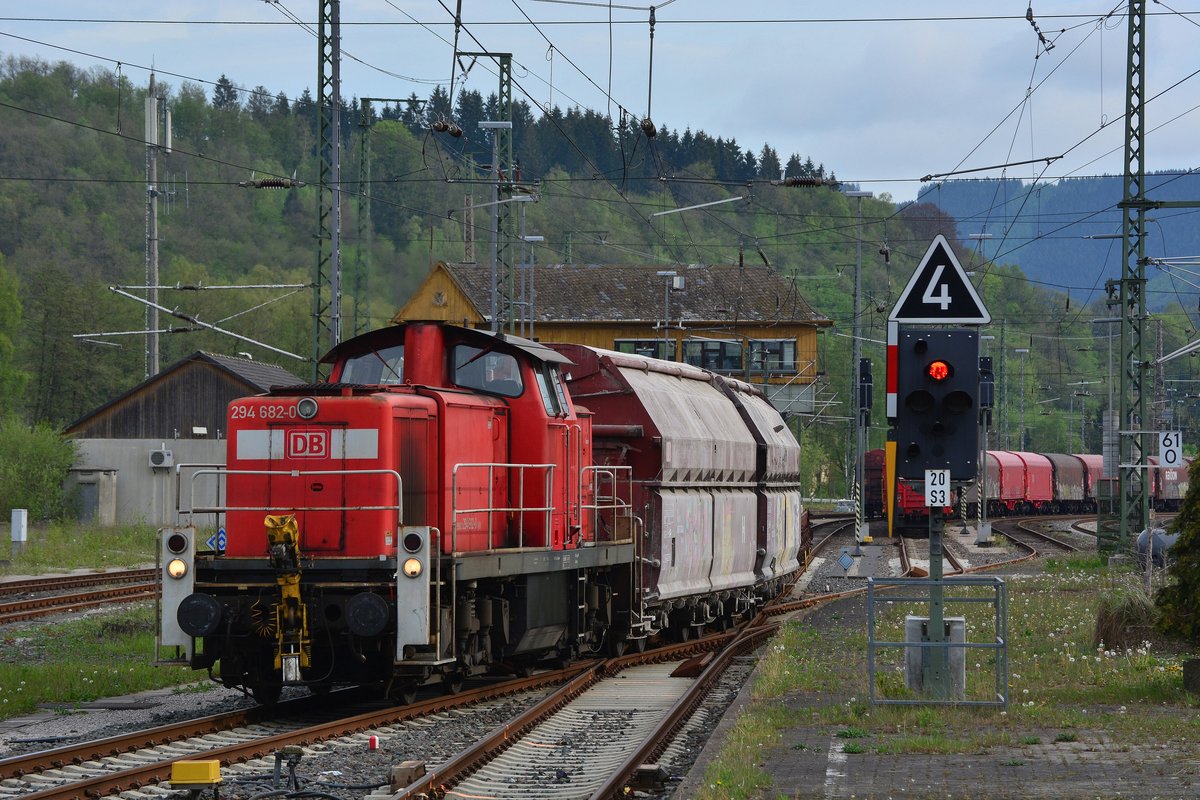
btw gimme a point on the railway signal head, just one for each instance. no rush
(417, 557)
(938, 387)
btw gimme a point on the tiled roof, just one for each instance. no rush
(255, 373)
(635, 293)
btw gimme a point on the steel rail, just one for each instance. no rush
(658, 739)
(472, 757)
(53, 583)
(137, 777)
(30, 608)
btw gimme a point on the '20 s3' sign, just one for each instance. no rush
(307, 444)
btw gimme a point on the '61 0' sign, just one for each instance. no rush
(1170, 448)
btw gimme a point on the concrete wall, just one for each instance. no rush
(144, 494)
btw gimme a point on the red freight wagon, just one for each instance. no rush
(1093, 474)
(1169, 485)
(1007, 494)
(1039, 482)
(911, 502)
(1070, 483)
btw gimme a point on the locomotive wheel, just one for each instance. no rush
(452, 683)
(616, 647)
(266, 694)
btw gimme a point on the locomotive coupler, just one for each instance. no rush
(293, 648)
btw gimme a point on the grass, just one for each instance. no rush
(1061, 688)
(62, 547)
(79, 660)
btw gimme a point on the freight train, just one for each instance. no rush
(1027, 483)
(453, 502)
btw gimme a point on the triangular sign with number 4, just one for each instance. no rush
(939, 293)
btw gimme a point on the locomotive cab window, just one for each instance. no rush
(554, 397)
(487, 371)
(375, 367)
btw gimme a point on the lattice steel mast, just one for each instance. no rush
(326, 305)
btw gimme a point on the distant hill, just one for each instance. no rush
(1041, 228)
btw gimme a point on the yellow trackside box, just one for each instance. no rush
(196, 773)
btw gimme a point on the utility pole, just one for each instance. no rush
(1024, 352)
(503, 277)
(1002, 438)
(152, 364)
(362, 259)
(362, 262)
(861, 415)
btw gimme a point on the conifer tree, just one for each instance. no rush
(1179, 601)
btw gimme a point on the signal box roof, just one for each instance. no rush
(635, 293)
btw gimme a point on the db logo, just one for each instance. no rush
(307, 444)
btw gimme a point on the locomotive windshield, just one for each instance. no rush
(385, 366)
(487, 370)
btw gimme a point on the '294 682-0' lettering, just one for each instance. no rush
(265, 411)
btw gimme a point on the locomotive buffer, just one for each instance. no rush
(935, 409)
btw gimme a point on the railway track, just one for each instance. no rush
(1036, 543)
(598, 728)
(58, 583)
(144, 758)
(55, 595)
(33, 607)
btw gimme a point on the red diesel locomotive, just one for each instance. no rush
(453, 502)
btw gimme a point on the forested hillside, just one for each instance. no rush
(1048, 229)
(73, 224)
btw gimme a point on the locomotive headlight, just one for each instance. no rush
(412, 567)
(306, 407)
(177, 568)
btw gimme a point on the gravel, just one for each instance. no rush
(58, 726)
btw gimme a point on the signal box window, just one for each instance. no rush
(771, 356)
(487, 371)
(712, 354)
(376, 367)
(650, 348)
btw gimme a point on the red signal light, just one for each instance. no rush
(939, 370)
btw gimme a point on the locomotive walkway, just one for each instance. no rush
(808, 760)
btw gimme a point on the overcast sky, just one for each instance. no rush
(882, 93)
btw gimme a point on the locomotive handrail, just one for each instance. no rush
(617, 476)
(490, 509)
(293, 473)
